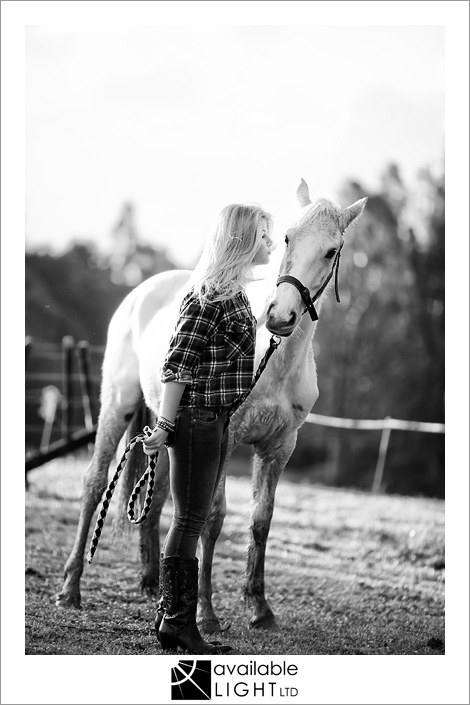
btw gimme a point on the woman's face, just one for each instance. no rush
(264, 244)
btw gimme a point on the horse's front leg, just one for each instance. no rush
(269, 462)
(150, 529)
(207, 619)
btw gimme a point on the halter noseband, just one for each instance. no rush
(305, 293)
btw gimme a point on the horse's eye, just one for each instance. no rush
(286, 240)
(330, 254)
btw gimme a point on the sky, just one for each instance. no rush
(182, 120)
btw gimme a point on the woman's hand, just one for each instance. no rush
(152, 444)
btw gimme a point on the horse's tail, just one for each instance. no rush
(135, 467)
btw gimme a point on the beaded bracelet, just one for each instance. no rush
(165, 425)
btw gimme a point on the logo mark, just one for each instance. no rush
(191, 680)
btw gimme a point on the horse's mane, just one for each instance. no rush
(323, 206)
(266, 276)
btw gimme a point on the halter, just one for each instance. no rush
(150, 472)
(304, 291)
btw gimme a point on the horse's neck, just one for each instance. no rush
(295, 349)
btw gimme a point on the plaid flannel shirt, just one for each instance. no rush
(212, 349)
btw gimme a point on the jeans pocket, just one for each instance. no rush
(205, 417)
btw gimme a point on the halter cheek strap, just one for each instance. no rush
(305, 293)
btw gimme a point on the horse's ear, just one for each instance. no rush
(303, 195)
(351, 213)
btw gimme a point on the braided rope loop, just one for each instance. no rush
(149, 473)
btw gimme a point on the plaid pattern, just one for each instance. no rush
(212, 349)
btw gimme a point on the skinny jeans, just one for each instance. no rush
(197, 455)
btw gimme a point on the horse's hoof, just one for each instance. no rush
(266, 622)
(213, 626)
(68, 600)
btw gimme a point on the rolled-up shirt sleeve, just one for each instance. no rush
(195, 326)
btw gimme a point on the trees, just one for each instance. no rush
(381, 353)
(73, 294)
(70, 295)
(60, 289)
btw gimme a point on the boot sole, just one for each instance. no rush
(171, 643)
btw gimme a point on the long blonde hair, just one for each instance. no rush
(225, 265)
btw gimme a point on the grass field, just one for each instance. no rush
(346, 573)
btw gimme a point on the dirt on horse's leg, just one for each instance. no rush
(111, 426)
(150, 529)
(206, 616)
(268, 465)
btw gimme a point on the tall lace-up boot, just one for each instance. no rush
(179, 597)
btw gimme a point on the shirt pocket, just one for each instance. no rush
(239, 339)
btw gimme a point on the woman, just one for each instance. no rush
(209, 364)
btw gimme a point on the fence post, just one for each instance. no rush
(68, 345)
(50, 399)
(27, 349)
(379, 469)
(85, 385)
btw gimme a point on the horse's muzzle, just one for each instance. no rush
(280, 326)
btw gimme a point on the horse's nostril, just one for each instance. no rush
(291, 320)
(278, 319)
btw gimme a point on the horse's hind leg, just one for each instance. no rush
(114, 418)
(150, 529)
(207, 618)
(137, 464)
(269, 462)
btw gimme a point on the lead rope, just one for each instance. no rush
(148, 474)
(150, 471)
(273, 344)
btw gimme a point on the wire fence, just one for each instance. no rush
(386, 425)
(61, 390)
(67, 399)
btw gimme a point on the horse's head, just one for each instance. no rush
(312, 247)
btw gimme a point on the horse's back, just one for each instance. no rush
(153, 307)
(142, 326)
(158, 297)
(153, 304)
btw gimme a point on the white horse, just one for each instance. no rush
(269, 419)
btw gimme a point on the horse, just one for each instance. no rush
(269, 419)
